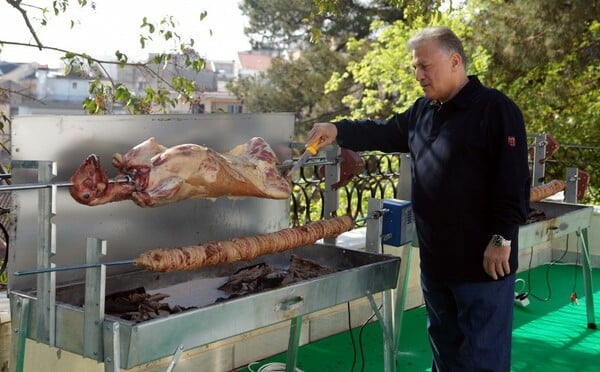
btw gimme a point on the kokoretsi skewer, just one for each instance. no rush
(545, 190)
(245, 248)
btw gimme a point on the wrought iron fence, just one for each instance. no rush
(586, 158)
(382, 173)
(379, 179)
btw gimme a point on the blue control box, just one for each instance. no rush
(398, 223)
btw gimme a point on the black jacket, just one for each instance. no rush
(470, 175)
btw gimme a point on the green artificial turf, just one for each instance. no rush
(550, 334)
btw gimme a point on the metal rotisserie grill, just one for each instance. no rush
(357, 273)
(66, 309)
(559, 219)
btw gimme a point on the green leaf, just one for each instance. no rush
(198, 65)
(122, 93)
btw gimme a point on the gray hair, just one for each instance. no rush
(446, 38)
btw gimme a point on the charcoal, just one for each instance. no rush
(261, 277)
(137, 306)
(535, 215)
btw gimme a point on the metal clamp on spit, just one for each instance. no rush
(375, 215)
(287, 165)
(310, 150)
(308, 158)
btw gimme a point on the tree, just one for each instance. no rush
(294, 86)
(293, 24)
(384, 78)
(104, 92)
(554, 77)
(524, 34)
(316, 35)
(547, 59)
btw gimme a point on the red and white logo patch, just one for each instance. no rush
(512, 141)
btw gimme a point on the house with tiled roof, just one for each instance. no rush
(221, 100)
(253, 62)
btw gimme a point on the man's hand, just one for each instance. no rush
(326, 131)
(495, 261)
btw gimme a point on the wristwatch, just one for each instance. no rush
(499, 241)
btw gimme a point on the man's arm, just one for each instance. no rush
(362, 135)
(507, 141)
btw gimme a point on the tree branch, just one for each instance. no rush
(10, 91)
(100, 62)
(17, 5)
(83, 55)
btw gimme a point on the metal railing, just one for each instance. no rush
(586, 158)
(379, 179)
(382, 173)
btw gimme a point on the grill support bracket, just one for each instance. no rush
(293, 343)
(112, 346)
(95, 284)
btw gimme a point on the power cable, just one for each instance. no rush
(360, 333)
(552, 263)
(270, 367)
(351, 338)
(574, 299)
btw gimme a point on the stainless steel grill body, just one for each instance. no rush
(561, 219)
(358, 274)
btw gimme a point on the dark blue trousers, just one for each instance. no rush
(470, 324)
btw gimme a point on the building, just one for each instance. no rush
(221, 100)
(17, 84)
(34, 89)
(253, 62)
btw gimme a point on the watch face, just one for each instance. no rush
(497, 240)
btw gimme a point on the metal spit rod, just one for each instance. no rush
(129, 179)
(33, 186)
(287, 165)
(375, 215)
(72, 267)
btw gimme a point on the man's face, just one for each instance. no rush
(435, 70)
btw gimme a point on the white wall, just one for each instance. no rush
(68, 90)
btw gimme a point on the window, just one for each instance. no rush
(234, 109)
(74, 85)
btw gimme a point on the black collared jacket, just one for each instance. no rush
(470, 174)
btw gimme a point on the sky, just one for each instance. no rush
(115, 25)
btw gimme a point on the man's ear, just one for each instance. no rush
(456, 60)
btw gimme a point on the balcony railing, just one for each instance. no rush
(586, 158)
(382, 174)
(378, 180)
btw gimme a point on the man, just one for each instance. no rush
(470, 193)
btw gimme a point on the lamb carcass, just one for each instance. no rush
(162, 175)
